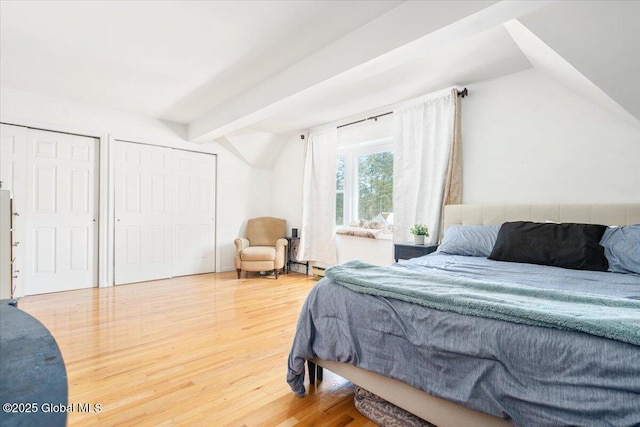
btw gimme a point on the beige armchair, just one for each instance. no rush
(264, 249)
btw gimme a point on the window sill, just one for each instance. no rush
(365, 233)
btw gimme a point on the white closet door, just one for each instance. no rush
(62, 212)
(13, 157)
(194, 213)
(13, 174)
(143, 246)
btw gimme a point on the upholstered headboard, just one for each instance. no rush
(617, 214)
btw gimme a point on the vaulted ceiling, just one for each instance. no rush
(229, 68)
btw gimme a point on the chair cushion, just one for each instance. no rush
(258, 253)
(264, 231)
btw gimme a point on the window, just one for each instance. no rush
(340, 192)
(364, 182)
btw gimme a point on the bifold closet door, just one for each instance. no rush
(62, 212)
(164, 212)
(143, 245)
(194, 213)
(13, 174)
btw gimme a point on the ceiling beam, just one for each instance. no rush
(411, 26)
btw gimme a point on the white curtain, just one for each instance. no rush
(317, 236)
(422, 142)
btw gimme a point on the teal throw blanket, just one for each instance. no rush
(614, 318)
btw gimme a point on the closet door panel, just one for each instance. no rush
(62, 212)
(13, 174)
(194, 215)
(143, 243)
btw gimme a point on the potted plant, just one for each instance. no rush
(419, 231)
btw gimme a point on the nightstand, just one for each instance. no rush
(410, 250)
(292, 253)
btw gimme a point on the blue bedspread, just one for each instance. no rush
(538, 276)
(530, 375)
(610, 317)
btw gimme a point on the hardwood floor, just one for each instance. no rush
(207, 350)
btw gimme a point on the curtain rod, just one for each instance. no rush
(461, 93)
(364, 120)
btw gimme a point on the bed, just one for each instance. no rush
(453, 367)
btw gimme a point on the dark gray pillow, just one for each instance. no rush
(567, 245)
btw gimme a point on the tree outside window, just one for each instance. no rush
(364, 182)
(340, 192)
(375, 185)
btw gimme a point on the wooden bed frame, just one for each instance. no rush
(439, 411)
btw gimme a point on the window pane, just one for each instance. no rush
(340, 174)
(339, 208)
(375, 184)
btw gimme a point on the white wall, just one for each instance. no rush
(527, 139)
(286, 192)
(243, 191)
(36, 110)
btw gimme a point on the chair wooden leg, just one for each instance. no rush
(239, 271)
(276, 272)
(319, 372)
